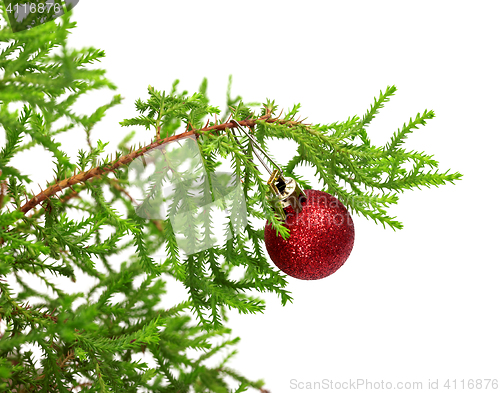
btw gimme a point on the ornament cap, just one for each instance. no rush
(286, 192)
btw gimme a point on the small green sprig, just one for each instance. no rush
(89, 338)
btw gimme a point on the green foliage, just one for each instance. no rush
(35, 13)
(97, 340)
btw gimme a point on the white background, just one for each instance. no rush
(411, 305)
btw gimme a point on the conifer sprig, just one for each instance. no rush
(90, 339)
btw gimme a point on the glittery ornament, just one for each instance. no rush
(321, 237)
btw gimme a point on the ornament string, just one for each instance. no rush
(285, 189)
(253, 142)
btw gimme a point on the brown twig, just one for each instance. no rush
(82, 177)
(158, 129)
(3, 190)
(124, 160)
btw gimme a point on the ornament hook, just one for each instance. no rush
(286, 192)
(253, 142)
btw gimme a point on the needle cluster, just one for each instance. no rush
(86, 223)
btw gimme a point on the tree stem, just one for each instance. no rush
(97, 171)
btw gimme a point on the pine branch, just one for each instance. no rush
(124, 160)
(400, 135)
(88, 340)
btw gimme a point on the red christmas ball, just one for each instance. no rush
(321, 238)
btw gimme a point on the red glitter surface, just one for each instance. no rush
(321, 238)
